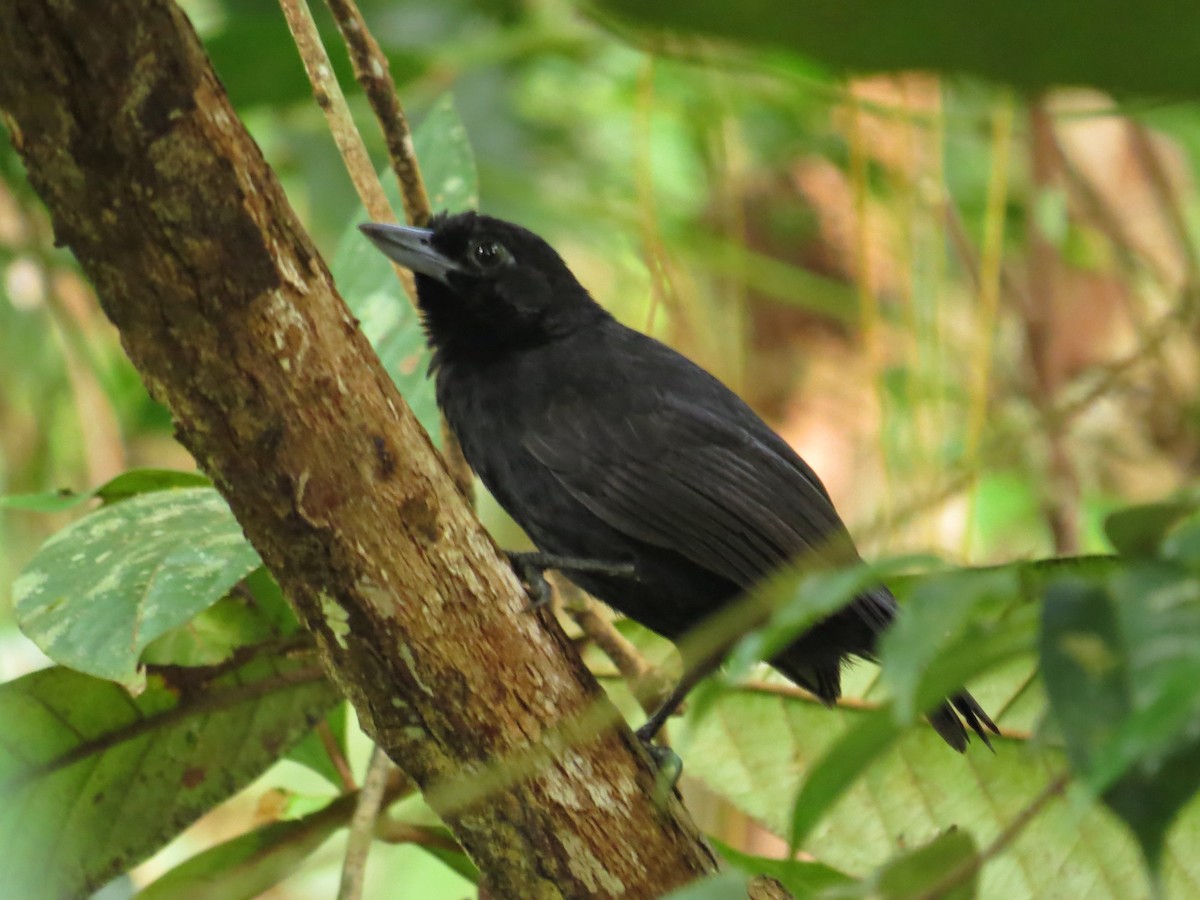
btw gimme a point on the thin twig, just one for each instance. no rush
(392, 832)
(373, 74)
(354, 154)
(1061, 502)
(649, 684)
(1156, 174)
(362, 826)
(340, 765)
(1110, 222)
(332, 101)
(990, 268)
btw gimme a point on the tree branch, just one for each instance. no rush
(231, 318)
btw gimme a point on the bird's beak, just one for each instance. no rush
(412, 248)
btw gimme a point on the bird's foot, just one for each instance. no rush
(666, 761)
(531, 569)
(533, 576)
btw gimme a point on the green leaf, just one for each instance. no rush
(838, 770)
(946, 867)
(941, 610)
(146, 481)
(1121, 669)
(251, 863)
(253, 613)
(1138, 530)
(755, 747)
(99, 591)
(977, 650)
(44, 502)
(93, 780)
(367, 280)
(1183, 543)
(1114, 46)
(123, 486)
(802, 878)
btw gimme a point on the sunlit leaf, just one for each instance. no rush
(839, 769)
(756, 748)
(93, 780)
(253, 613)
(99, 591)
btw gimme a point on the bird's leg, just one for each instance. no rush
(531, 569)
(669, 764)
(666, 760)
(653, 725)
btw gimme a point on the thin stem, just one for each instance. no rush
(1061, 504)
(354, 154)
(362, 825)
(340, 765)
(989, 289)
(1151, 162)
(649, 685)
(868, 303)
(372, 72)
(329, 97)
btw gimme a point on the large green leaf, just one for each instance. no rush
(755, 747)
(1110, 44)
(93, 780)
(1121, 670)
(367, 280)
(102, 589)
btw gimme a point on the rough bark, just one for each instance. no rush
(233, 322)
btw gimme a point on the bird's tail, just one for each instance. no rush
(814, 661)
(947, 720)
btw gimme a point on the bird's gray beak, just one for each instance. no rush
(412, 248)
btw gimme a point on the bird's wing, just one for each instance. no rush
(723, 491)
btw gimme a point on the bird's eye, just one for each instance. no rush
(489, 254)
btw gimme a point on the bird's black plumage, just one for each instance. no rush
(605, 444)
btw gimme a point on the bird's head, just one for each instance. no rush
(486, 285)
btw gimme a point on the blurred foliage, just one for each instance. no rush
(975, 315)
(1030, 44)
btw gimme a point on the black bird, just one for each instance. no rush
(647, 481)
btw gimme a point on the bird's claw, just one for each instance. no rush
(533, 576)
(667, 764)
